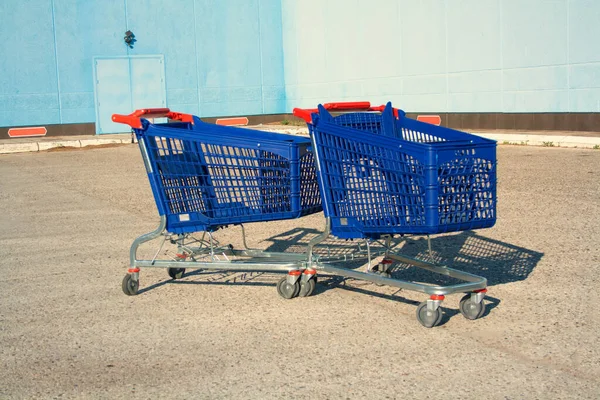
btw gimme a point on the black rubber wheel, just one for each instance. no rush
(482, 309)
(176, 273)
(440, 317)
(288, 290)
(428, 318)
(471, 310)
(307, 288)
(130, 287)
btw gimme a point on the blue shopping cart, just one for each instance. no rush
(205, 177)
(420, 179)
(382, 174)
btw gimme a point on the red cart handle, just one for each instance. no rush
(305, 113)
(135, 118)
(348, 105)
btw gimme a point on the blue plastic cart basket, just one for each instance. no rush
(418, 179)
(205, 176)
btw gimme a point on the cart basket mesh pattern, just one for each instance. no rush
(426, 180)
(205, 181)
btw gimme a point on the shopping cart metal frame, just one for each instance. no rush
(206, 253)
(300, 268)
(428, 313)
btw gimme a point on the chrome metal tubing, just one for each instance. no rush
(317, 240)
(479, 283)
(245, 266)
(145, 238)
(443, 270)
(244, 239)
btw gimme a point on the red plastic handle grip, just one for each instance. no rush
(348, 105)
(135, 118)
(305, 113)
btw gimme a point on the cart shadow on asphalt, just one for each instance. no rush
(499, 262)
(467, 251)
(326, 282)
(202, 277)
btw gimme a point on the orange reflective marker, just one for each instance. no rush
(232, 121)
(430, 119)
(27, 132)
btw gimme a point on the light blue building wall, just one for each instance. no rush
(445, 55)
(245, 57)
(220, 57)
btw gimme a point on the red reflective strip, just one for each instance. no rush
(481, 291)
(232, 121)
(184, 256)
(386, 261)
(430, 119)
(27, 132)
(133, 270)
(295, 272)
(437, 297)
(310, 271)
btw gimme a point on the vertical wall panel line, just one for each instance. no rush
(196, 55)
(129, 60)
(56, 63)
(126, 22)
(568, 57)
(260, 53)
(446, 50)
(501, 50)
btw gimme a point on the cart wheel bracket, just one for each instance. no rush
(478, 295)
(434, 302)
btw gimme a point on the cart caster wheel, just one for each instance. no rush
(306, 288)
(176, 273)
(286, 289)
(378, 269)
(429, 318)
(130, 287)
(471, 310)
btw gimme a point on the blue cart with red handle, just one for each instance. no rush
(205, 177)
(382, 175)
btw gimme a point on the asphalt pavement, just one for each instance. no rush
(67, 330)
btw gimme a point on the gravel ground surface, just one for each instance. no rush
(67, 330)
